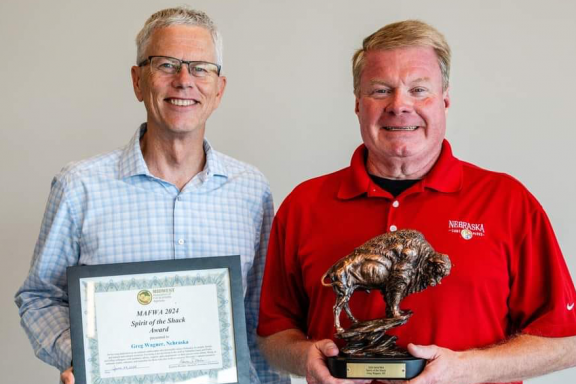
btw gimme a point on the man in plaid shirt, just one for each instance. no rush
(166, 195)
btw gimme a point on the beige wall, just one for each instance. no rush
(66, 95)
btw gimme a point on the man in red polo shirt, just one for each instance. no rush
(505, 313)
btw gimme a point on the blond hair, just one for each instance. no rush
(177, 16)
(408, 33)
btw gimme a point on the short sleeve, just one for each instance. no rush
(542, 293)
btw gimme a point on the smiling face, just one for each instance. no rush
(402, 107)
(178, 104)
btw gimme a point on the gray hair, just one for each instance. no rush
(177, 16)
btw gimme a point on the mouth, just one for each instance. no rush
(403, 128)
(181, 102)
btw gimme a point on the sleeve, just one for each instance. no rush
(43, 299)
(261, 372)
(542, 293)
(284, 303)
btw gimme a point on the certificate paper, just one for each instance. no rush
(157, 327)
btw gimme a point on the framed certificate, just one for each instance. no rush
(175, 321)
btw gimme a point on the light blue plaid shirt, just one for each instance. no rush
(110, 209)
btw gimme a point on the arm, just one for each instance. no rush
(263, 372)
(518, 358)
(284, 306)
(43, 298)
(291, 351)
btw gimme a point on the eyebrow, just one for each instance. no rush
(418, 80)
(379, 82)
(421, 80)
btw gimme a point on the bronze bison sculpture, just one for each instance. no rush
(396, 263)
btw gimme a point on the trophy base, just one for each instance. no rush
(402, 368)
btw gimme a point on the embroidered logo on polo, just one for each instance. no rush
(570, 306)
(465, 229)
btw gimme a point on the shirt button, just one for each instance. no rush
(395, 204)
(180, 241)
(393, 228)
(178, 198)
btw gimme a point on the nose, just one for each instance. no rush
(183, 79)
(399, 103)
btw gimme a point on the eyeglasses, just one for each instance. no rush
(170, 66)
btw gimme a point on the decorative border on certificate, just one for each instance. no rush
(176, 321)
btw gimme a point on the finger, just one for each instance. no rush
(67, 377)
(328, 348)
(318, 371)
(427, 352)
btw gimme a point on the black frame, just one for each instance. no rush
(187, 62)
(232, 263)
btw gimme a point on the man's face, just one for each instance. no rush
(402, 107)
(181, 103)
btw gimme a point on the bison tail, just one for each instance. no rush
(324, 278)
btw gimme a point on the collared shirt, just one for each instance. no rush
(508, 273)
(111, 209)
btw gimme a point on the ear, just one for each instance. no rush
(357, 106)
(221, 88)
(136, 73)
(222, 81)
(446, 97)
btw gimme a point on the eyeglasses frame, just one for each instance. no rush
(149, 60)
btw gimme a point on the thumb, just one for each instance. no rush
(67, 377)
(427, 352)
(328, 348)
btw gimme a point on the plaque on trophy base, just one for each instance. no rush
(393, 368)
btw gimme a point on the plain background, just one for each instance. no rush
(288, 109)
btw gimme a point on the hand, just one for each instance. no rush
(316, 370)
(67, 377)
(444, 366)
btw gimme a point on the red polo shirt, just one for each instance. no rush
(508, 273)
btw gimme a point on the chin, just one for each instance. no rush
(398, 150)
(182, 128)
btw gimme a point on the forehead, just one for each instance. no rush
(403, 63)
(183, 42)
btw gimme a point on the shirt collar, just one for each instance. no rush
(132, 161)
(214, 161)
(445, 175)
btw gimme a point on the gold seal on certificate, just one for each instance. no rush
(177, 321)
(397, 264)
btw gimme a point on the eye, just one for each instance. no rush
(199, 70)
(380, 92)
(167, 66)
(419, 90)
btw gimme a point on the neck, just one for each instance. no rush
(174, 159)
(401, 168)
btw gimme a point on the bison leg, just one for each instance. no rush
(397, 288)
(342, 301)
(347, 308)
(393, 296)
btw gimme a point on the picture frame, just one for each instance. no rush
(168, 321)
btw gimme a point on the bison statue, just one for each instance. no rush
(396, 263)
